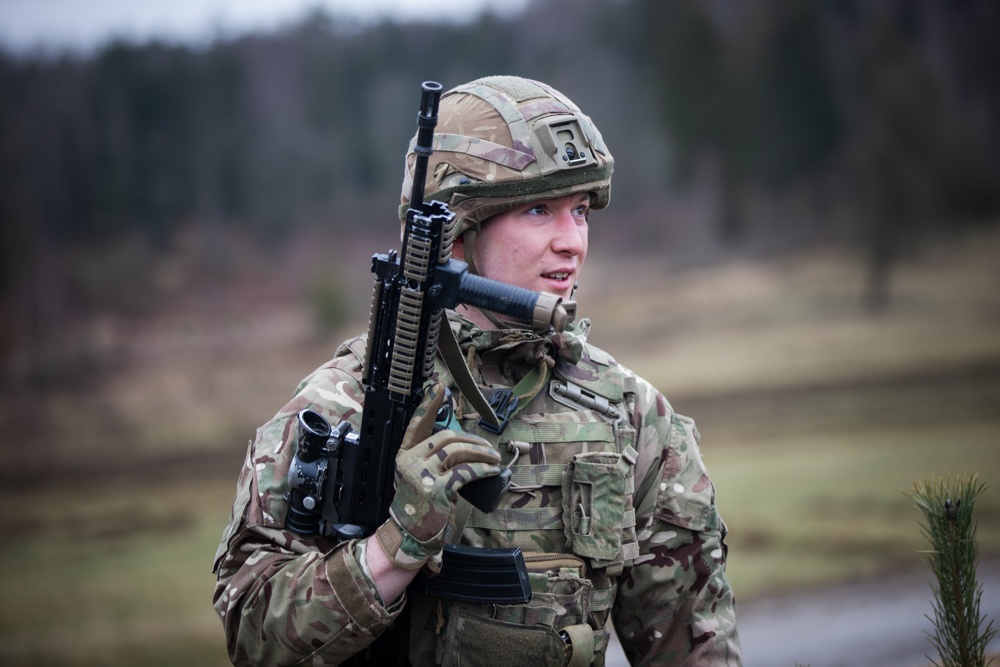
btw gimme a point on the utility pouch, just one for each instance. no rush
(485, 642)
(550, 630)
(597, 505)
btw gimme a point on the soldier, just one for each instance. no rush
(611, 503)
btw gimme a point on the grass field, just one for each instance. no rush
(815, 418)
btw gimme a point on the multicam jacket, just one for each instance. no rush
(611, 505)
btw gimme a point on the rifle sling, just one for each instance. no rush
(455, 361)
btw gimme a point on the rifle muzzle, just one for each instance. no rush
(550, 313)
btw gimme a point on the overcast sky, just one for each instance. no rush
(82, 24)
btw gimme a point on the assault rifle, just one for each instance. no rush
(340, 480)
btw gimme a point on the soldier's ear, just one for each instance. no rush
(458, 249)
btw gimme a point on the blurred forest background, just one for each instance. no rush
(802, 252)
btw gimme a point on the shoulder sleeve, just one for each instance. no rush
(675, 605)
(283, 597)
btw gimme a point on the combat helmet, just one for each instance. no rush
(503, 141)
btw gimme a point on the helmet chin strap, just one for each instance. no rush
(469, 246)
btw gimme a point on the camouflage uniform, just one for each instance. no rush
(659, 571)
(611, 503)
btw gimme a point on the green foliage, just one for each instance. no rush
(947, 505)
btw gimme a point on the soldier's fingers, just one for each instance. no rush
(470, 472)
(422, 423)
(459, 453)
(446, 438)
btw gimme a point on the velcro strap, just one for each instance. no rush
(344, 573)
(540, 518)
(581, 641)
(390, 537)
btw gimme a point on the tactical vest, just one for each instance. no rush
(571, 449)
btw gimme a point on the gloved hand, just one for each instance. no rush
(430, 471)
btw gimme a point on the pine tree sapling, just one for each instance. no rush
(960, 633)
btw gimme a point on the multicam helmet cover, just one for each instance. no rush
(502, 141)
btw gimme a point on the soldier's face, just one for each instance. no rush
(539, 246)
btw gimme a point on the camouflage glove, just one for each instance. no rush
(430, 471)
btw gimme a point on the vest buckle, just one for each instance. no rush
(504, 403)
